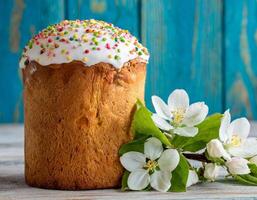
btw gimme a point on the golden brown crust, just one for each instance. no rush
(76, 118)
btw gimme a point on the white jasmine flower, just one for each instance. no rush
(192, 178)
(215, 149)
(253, 160)
(154, 167)
(238, 166)
(211, 171)
(178, 115)
(234, 135)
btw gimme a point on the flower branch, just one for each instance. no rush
(158, 156)
(197, 157)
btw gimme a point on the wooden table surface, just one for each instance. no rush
(12, 185)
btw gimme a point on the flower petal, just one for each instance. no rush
(215, 149)
(240, 127)
(192, 178)
(139, 179)
(246, 150)
(169, 160)
(211, 171)
(178, 100)
(161, 108)
(133, 160)
(238, 165)
(225, 122)
(160, 181)
(161, 123)
(153, 148)
(195, 114)
(186, 131)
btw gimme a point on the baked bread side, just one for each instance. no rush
(76, 119)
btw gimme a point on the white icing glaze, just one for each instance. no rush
(88, 41)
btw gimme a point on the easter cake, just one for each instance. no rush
(81, 81)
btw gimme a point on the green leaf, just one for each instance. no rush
(124, 182)
(250, 178)
(253, 169)
(180, 175)
(246, 179)
(207, 130)
(143, 125)
(135, 145)
(139, 104)
(242, 180)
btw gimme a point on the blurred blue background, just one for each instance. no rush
(208, 47)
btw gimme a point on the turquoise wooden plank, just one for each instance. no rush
(185, 42)
(20, 19)
(240, 57)
(122, 13)
(184, 39)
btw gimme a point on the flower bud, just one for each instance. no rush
(192, 178)
(211, 171)
(238, 166)
(215, 149)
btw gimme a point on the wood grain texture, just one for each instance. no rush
(12, 185)
(184, 40)
(207, 47)
(240, 57)
(20, 20)
(122, 13)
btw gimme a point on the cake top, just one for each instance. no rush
(88, 41)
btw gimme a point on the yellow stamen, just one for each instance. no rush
(178, 116)
(236, 141)
(151, 165)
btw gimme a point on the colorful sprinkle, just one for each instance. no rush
(84, 37)
(85, 59)
(56, 45)
(30, 44)
(68, 58)
(59, 28)
(42, 51)
(116, 57)
(96, 34)
(63, 51)
(75, 36)
(122, 39)
(108, 46)
(26, 62)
